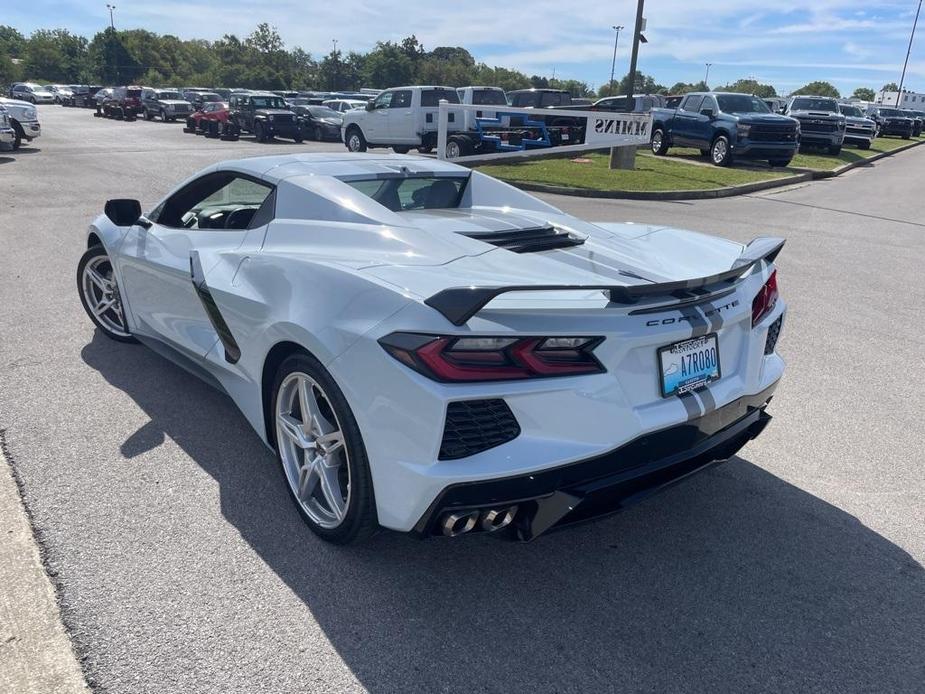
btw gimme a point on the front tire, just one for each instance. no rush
(355, 141)
(720, 153)
(100, 296)
(321, 452)
(259, 132)
(835, 150)
(783, 163)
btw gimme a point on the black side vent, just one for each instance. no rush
(773, 335)
(528, 240)
(473, 426)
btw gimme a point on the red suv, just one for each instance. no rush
(206, 121)
(123, 104)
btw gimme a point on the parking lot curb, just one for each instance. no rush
(36, 656)
(707, 194)
(727, 192)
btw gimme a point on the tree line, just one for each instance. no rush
(262, 61)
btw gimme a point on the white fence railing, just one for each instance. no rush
(602, 129)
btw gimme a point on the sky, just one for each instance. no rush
(787, 43)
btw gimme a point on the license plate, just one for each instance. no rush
(688, 365)
(564, 137)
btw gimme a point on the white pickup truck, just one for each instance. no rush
(401, 118)
(24, 119)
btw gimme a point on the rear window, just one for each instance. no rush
(488, 97)
(852, 111)
(555, 99)
(400, 194)
(169, 95)
(805, 104)
(431, 97)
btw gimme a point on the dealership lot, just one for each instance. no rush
(182, 565)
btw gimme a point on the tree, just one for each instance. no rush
(864, 94)
(388, 65)
(818, 88)
(9, 72)
(644, 84)
(54, 55)
(685, 87)
(12, 43)
(890, 87)
(750, 86)
(110, 61)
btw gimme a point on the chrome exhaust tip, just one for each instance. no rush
(497, 518)
(459, 522)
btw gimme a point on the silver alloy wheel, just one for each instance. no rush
(719, 151)
(353, 142)
(452, 150)
(102, 295)
(657, 141)
(311, 446)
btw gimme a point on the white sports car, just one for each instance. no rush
(430, 350)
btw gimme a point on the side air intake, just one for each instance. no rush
(528, 240)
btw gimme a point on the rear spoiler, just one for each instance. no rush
(459, 304)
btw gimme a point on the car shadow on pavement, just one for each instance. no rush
(733, 581)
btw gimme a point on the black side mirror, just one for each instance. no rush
(123, 212)
(708, 112)
(370, 106)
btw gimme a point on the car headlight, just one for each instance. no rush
(270, 118)
(743, 130)
(841, 125)
(30, 114)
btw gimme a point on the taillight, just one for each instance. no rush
(460, 359)
(765, 300)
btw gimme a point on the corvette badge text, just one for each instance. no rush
(693, 319)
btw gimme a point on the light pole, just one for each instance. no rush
(908, 51)
(112, 24)
(706, 78)
(613, 63)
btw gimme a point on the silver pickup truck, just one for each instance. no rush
(24, 120)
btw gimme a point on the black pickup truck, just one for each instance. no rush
(263, 114)
(726, 126)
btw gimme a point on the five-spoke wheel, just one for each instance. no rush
(99, 294)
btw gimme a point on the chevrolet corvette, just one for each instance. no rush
(429, 350)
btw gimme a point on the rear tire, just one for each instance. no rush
(317, 134)
(835, 150)
(342, 473)
(864, 145)
(720, 153)
(401, 149)
(18, 135)
(659, 142)
(783, 163)
(260, 132)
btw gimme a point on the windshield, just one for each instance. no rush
(209, 97)
(852, 111)
(401, 194)
(169, 95)
(488, 97)
(892, 113)
(265, 102)
(741, 103)
(431, 97)
(809, 104)
(323, 112)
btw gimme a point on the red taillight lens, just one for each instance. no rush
(765, 300)
(466, 359)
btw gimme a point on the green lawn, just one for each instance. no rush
(810, 158)
(651, 173)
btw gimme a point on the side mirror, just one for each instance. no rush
(708, 112)
(123, 212)
(370, 106)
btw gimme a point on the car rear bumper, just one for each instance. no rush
(608, 483)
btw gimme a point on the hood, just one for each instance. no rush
(758, 118)
(275, 111)
(331, 121)
(173, 102)
(817, 114)
(17, 105)
(589, 254)
(855, 120)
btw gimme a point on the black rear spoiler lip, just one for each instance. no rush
(459, 304)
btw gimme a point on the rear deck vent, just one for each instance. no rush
(528, 240)
(473, 426)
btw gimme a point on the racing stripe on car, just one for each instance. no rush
(699, 324)
(712, 314)
(690, 404)
(707, 399)
(588, 265)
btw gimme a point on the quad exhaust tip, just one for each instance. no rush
(457, 523)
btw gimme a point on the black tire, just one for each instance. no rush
(425, 150)
(360, 520)
(783, 163)
(400, 149)
(147, 114)
(354, 140)
(659, 142)
(834, 150)
(93, 253)
(260, 132)
(297, 138)
(456, 146)
(704, 152)
(163, 115)
(907, 137)
(18, 135)
(720, 152)
(317, 134)
(864, 145)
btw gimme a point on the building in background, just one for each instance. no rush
(912, 100)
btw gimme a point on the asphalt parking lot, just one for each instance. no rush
(183, 567)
